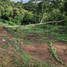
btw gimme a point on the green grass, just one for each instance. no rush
(53, 52)
(26, 61)
(54, 32)
(30, 62)
(5, 46)
(41, 30)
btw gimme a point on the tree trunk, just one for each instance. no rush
(36, 24)
(42, 18)
(42, 11)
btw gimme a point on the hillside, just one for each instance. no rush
(33, 34)
(14, 53)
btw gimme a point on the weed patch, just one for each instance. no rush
(5, 46)
(53, 52)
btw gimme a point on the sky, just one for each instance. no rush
(24, 1)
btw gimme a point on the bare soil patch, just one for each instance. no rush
(40, 52)
(61, 50)
(7, 55)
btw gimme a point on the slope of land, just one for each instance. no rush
(11, 50)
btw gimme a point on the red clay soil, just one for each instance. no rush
(4, 33)
(61, 50)
(8, 59)
(38, 52)
(41, 52)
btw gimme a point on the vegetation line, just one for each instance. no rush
(34, 24)
(53, 52)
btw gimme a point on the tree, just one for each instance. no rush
(41, 7)
(21, 1)
(30, 6)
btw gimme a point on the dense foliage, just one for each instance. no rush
(17, 13)
(11, 14)
(53, 10)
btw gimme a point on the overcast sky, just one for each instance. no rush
(24, 1)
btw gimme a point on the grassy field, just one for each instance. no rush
(55, 32)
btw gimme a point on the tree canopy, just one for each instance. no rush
(19, 13)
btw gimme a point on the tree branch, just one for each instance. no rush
(34, 24)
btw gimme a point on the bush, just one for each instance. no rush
(28, 16)
(14, 15)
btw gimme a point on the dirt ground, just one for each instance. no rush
(41, 52)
